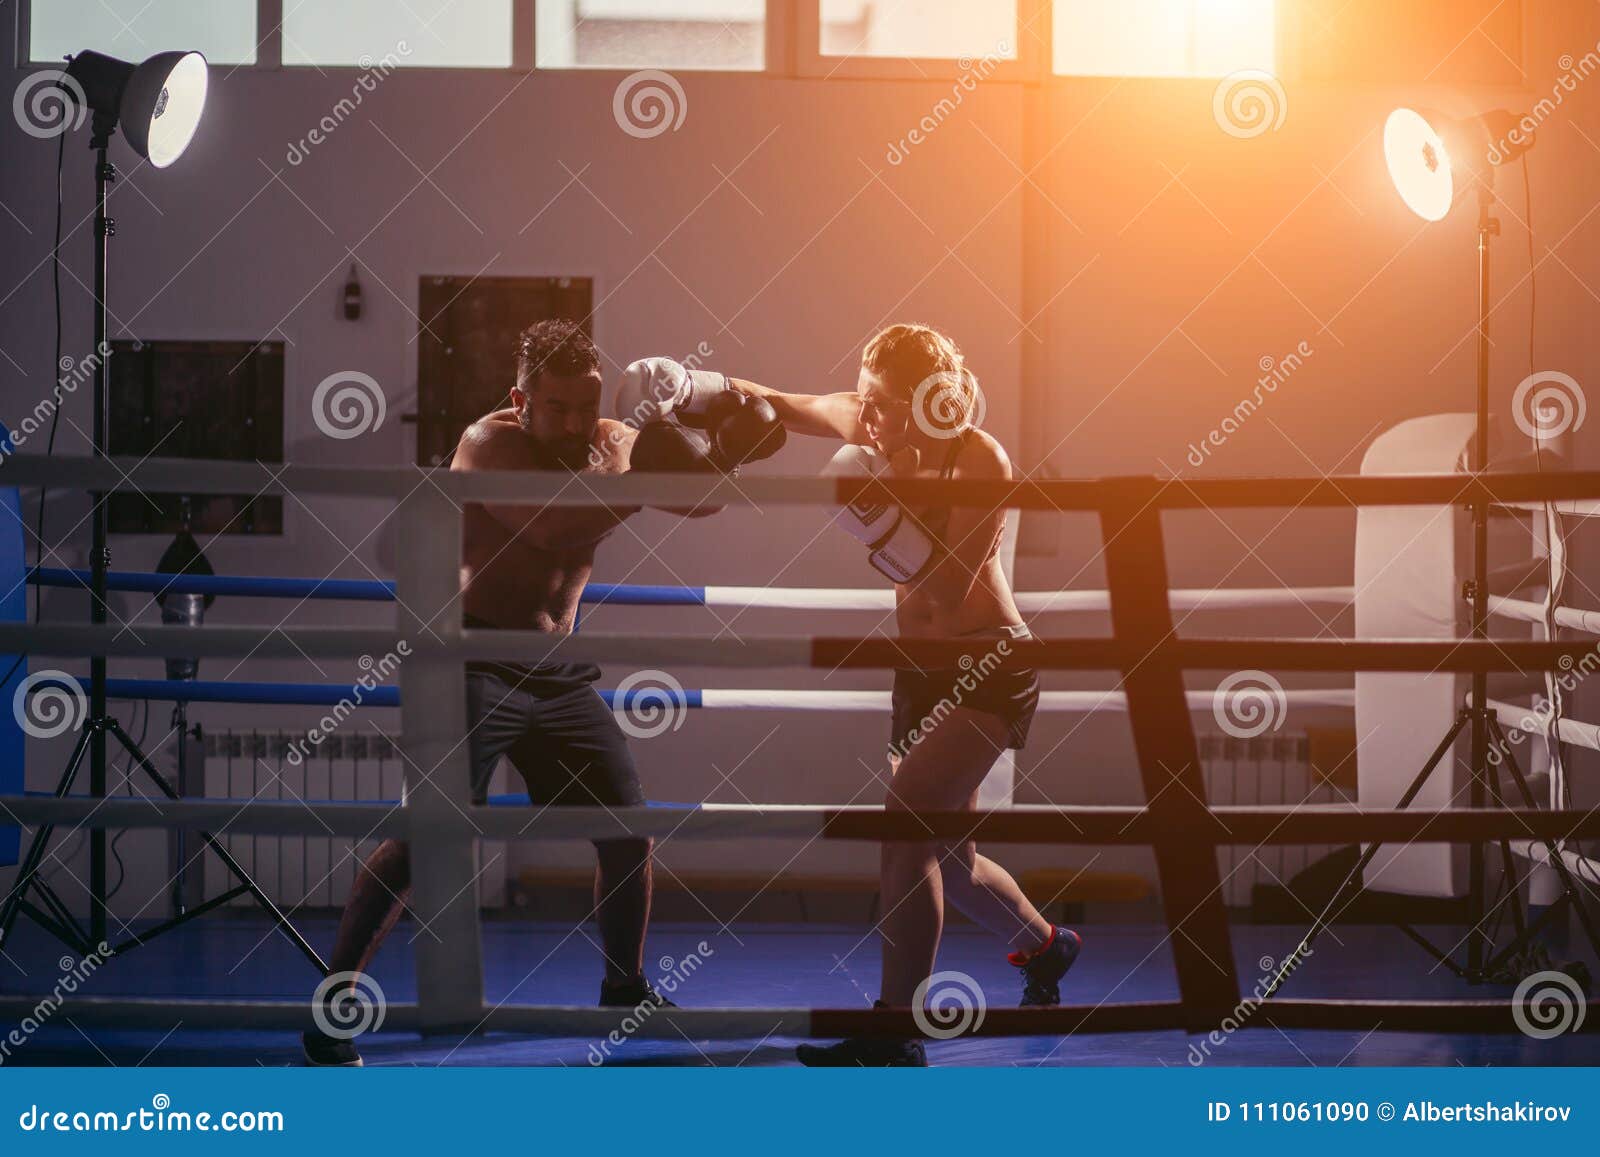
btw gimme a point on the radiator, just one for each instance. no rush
(1266, 769)
(300, 872)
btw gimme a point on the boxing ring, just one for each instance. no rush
(1143, 650)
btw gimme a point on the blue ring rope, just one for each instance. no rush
(506, 799)
(321, 694)
(360, 590)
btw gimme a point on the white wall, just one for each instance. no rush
(1154, 259)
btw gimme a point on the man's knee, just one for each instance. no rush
(390, 865)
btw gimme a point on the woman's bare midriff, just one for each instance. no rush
(988, 606)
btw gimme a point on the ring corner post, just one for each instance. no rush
(438, 790)
(1168, 754)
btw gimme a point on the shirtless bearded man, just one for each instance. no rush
(524, 568)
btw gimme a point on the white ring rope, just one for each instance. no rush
(1530, 612)
(1583, 508)
(1028, 602)
(1528, 721)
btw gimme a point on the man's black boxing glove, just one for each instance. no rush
(744, 428)
(667, 447)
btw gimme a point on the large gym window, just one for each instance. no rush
(920, 29)
(416, 34)
(1164, 37)
(225, 30)
(725, 35)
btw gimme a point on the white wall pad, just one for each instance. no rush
(1407, 568)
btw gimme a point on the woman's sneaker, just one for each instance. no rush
(1042, 971)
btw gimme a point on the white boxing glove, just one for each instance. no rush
(656, 388)
(899, 549)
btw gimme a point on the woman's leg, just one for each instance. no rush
(941, 773)
(988, 896)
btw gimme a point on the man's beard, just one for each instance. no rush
(563, 453)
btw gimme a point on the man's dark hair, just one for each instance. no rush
(557, 347)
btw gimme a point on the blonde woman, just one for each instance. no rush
(912, 416)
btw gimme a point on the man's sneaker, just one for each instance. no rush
(1042, 971)
(870, 1052)
(865, 1052)
(631, 994)
(324, 1051)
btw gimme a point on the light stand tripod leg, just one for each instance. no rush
(278, 917)
(1431, 949)
(34, 860)
(58, 911)
(1325, 917)
(1569, 885)
(1508, 864)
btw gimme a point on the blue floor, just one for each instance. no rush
(758, 965)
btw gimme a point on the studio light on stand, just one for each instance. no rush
(157, 105)
(1434, 160)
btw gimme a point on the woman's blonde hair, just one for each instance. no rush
(928, 368)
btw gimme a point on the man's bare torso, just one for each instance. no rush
(525, 581)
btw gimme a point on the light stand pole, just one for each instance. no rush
(1478, 592)
(99, 552)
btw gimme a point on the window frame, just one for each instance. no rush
(793, 35)
(521, 46)
(269, 46)
(1031, 64)
(1287, 26)
(23, 57)
(779, 21)
(793, 41)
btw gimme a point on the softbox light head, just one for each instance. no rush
(1431, 155)
(158, 103)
